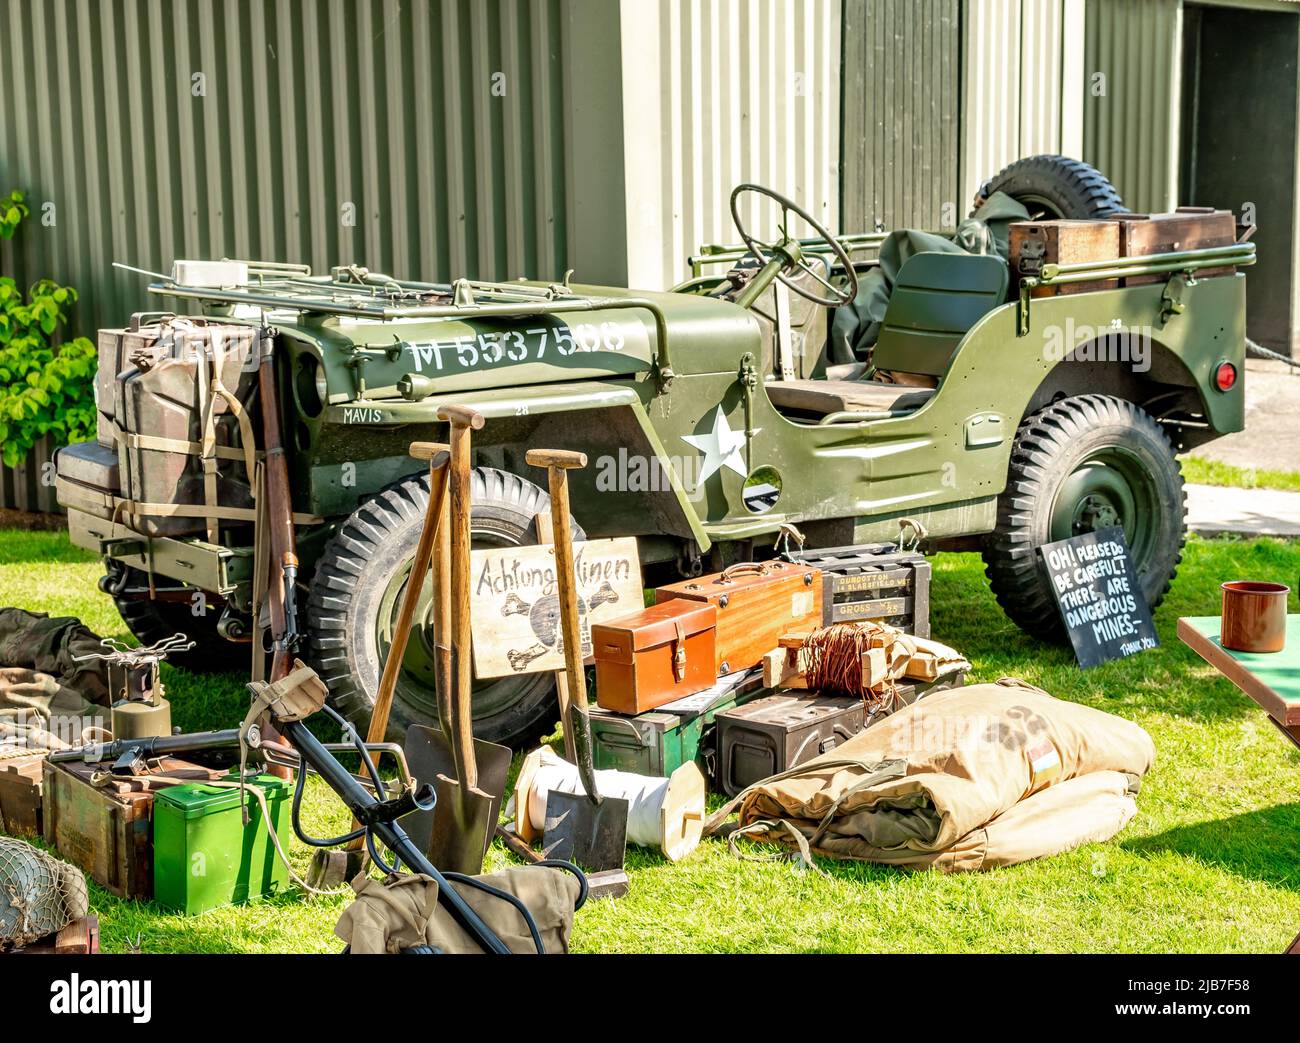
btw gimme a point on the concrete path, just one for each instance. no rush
(1214, 510)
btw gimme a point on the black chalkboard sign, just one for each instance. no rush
(1101, 602)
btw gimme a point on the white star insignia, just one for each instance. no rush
(721, 447)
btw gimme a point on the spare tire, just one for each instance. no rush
(1055, 187)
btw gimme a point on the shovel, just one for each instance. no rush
(586, 828)
(331, 868)
(468, 774)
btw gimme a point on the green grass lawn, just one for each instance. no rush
(1211, 863)
(1211, 472)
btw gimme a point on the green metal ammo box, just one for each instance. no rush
(661, 741)
(205, 857)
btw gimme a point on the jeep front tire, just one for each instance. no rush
(1078, 465)
(357, 589)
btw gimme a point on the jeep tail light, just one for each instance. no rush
(1225, 376)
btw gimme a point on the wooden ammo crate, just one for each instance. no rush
(873, 581)
(79, 938)
(1036, 243)
(1187, 228)
(21, 782)
(757, 602)
(107, 830)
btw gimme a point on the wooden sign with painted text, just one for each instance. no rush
(515, 602)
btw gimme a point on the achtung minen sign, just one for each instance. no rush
(1099, 596)
(515, 601)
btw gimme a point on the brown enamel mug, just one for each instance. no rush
(1254, 616)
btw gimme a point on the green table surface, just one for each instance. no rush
(1272, 679)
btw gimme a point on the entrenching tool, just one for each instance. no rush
(586, 827)
(468, 774)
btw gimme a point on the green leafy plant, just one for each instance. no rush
(46, 388)
(12, 211)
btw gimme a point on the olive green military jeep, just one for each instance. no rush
(987, 416)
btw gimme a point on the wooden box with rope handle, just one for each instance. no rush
(104, 823)
(876, 582)
(757, 602)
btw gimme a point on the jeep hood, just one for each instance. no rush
(705, 335)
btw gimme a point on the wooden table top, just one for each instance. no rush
(1272, 679)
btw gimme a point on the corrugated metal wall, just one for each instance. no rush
(717, 92)
(1022, 82)
(902, 89)
(1130, 128)
(422, 139)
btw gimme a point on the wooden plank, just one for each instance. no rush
(784, 668)
(1271, 679)
(80, 937)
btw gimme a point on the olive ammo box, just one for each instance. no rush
(661, 741)
(88, 479)
(781, 731)
(107, 830)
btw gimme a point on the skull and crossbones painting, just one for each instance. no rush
(515, 604)
(544, 618)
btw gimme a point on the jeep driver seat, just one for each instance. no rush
(937, 298)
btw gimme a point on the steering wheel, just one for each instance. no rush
(838, 296)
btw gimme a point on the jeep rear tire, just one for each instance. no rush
(1077, 465)
(1055, 187)
(357, 589)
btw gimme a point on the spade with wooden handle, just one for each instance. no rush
(586, 828)
(468, 774)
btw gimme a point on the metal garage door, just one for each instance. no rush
(900, 140)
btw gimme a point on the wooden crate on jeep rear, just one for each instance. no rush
(1036, 243)
(1187, 228)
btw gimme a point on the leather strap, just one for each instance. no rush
(679, 651)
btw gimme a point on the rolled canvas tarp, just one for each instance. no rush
(971, 778)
